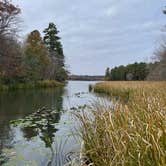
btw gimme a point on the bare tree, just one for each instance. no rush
(10, 51)
(10, 60)
(158, 69)
(8, 17)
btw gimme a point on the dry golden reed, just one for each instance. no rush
(130, 133)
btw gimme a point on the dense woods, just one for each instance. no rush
(139, 71)
(136, 71)
(32, 60)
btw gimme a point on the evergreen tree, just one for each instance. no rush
(52, 42)
(107, 74)
(136, 71)
(54, 46)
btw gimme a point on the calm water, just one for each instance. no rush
(42, 146)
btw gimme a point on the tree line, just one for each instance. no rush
(136, 71)
(37, 58)
(155, 71)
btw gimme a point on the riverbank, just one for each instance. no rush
(39, 84)
(132, 131)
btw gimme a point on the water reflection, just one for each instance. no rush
(40, 123)
(43, 124)
(41, 139)
(19, 104)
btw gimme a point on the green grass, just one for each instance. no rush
(130, 133)
(39, 84)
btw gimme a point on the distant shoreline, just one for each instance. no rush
(86, 78)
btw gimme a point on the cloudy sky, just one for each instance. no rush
(99, 33)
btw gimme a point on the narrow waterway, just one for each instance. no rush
(52, 144)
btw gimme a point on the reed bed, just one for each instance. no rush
(130, 133)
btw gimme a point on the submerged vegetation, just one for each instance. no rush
(42, 121)
(132, 131)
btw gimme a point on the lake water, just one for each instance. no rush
(53, 144)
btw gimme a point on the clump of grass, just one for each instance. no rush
(131, 133)
(3, 87)
(90, 88)
(39, 84)
(48, 84)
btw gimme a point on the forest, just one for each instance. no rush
(133, 72)
(37, 58)
(154, 71)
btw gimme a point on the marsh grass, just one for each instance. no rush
(130, 133)
(39, 84)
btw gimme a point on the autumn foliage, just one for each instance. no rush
(33, 60)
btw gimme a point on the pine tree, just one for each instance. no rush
(107, 74)
(54, 46)
(52, 42)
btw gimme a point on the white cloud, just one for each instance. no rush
(111, 11)
(100, 32)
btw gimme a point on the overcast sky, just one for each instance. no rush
(99, 33)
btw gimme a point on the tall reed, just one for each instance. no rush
(130, 133)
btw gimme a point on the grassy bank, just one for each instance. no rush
(130, 133)
(39, 84)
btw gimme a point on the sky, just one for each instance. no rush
(97, 34)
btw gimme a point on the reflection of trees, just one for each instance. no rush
(29, 132)
(17, 104)
(47, 129)
(6, 139)
(41, 123)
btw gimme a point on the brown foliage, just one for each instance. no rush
(36, 60)
(10, 61)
